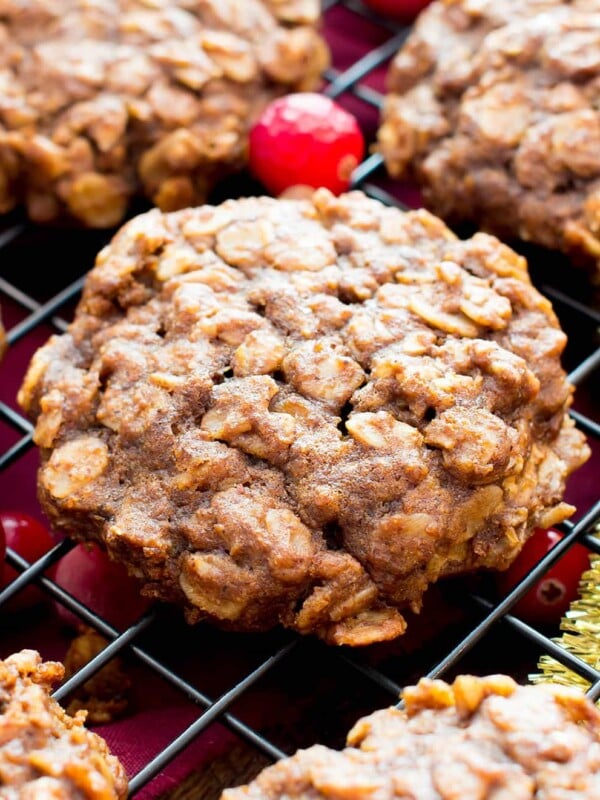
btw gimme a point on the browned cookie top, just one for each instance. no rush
(484, 738)
(103, 100)
(304, 411)
(45, 753)
(493, 107)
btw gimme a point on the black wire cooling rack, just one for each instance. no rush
(328, 687)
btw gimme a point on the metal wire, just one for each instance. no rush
(45, 311)
(349, 82)
(211, 714)
(498, 612)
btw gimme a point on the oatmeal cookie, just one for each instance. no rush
(304, 411)
(484, 738)
(101, 101)
(45, 753)
(493, 108)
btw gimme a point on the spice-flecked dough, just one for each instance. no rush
(304, 412)
(104, 101)
(493, 108)
(484, 738)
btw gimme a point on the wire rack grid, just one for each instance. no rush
(371, 678)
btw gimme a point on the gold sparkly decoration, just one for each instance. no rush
(581, 633)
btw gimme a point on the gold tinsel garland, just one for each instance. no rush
(581, 633)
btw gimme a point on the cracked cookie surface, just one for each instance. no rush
(304, 412)
(493, 108)
(101, 101)
(484, 738)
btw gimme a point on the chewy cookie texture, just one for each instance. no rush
(484, 738)
(45, 753)
(106, 100)
(493, 108)
(304, 412)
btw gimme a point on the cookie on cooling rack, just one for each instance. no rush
(304, 412)
(479, 737)
(493, 108)
(45, 753)
(102, 101)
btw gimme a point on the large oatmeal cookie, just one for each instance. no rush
(103, 100)
(484, 738)
(45, 753)
(304, 412)
(493, 107)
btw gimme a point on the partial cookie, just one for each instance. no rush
(493, 108)
(483, 738)
(304, 412)
(102, 101)
(45, 753)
